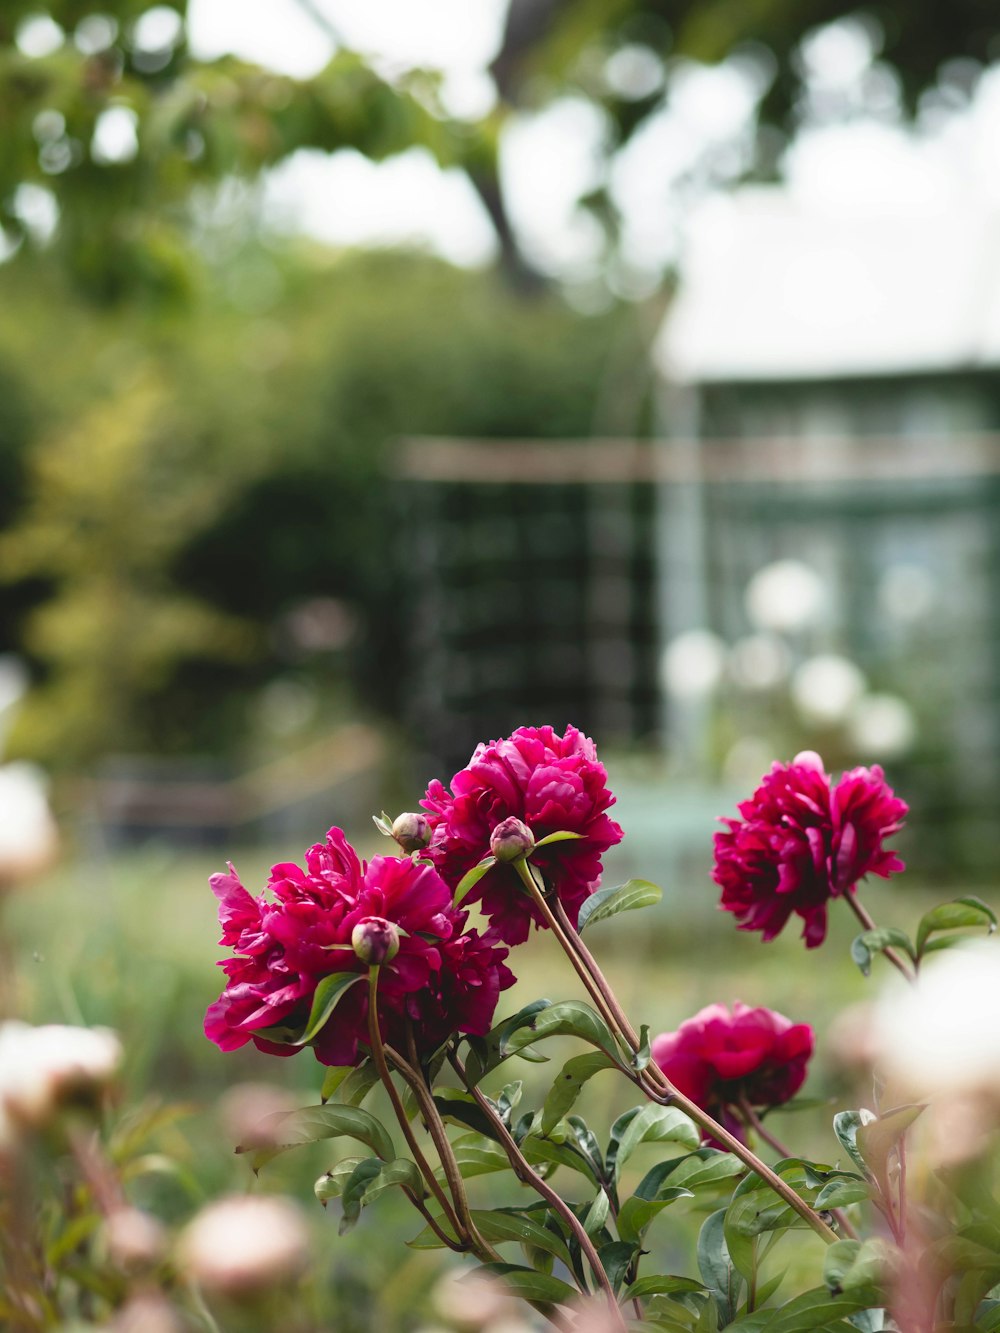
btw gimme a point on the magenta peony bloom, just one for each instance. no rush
(546, 782)
(301, 929)
(802, 841)
(720, 1059)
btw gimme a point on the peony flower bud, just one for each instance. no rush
(45, 1068)
(375, 940)
(136, 1241)
(241, 1246)
(510, 839)
(412, 831)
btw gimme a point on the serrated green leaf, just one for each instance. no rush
(655, 1124)
(955, 915)
(471, 878)
(877, 941)
(626, 897)
(568, 1085)
(530, 1285)
(289, 1129)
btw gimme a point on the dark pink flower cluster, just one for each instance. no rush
(721, 1060)
(549, 784)
(802, 840)
(441, 979)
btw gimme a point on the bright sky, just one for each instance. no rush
(550, 158)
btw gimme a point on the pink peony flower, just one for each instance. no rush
(801, 841)
(549, 783)
(719, 1059)
(300, 930)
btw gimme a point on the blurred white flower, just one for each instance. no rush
(693, 664)
(243, 1245)
(759, 661)
(135, 1239)
(882, 726)
(28, 836)
(786, 595)
(826, 688)
(943, 1034)
(43, 1068)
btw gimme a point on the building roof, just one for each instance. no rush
(774, 290)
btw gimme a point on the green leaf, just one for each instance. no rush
(660, 1286)
(627, 897)
(655, 1124)
(542, 1152)
(570, 1018)
(530, 1285)
(370, 1178)
(485, 1053)
(877, 1138)
(472, 877)
(476, 1156)
(563, 836)
(327, 995)
(858, 1269)
(499, 1225)
(876, 941)
(569, 1083)
(636, 1214)
(846, 1125)
(288, 1129)
(955, 915)
(616, 1258)
(332, 1080)
(357, 1085)
(460, 1108)
(845, 1188)
(383, 823)
(815, 1309)
(706, 1168)
(716, 1265)
(331, 1184)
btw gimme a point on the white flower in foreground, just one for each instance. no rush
(942, 1036)
(44, 1068)
(939, 1041)
(242, 1245)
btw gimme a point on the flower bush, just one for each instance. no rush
(379, 968)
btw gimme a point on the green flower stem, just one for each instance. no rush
(378, 1055)
(526, 1173)
(866, 919)
(410, 1070)
(653, 1081)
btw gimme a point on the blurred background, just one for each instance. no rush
(375, 378)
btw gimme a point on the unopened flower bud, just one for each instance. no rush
(135, 1240)
(412, 831)
(242, 1246)
(375, 940)
(511, 839)
(46, 1068)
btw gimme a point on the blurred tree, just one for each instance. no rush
(112, 125)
